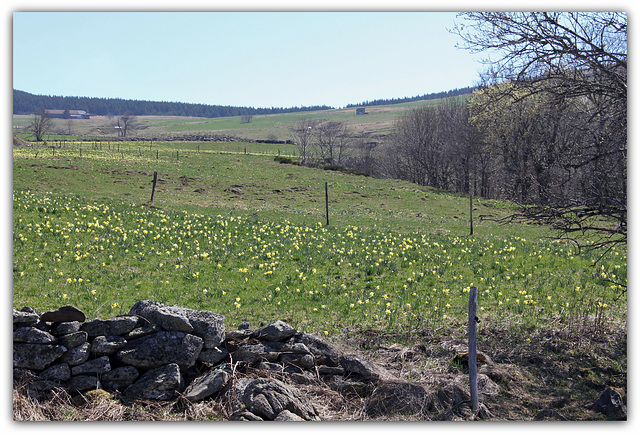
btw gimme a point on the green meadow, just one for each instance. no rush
(233, 231)
(378, 120)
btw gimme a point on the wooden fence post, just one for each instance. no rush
(153, 189)
(473, 358)
(326, 198)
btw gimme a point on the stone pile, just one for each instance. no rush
(163, 352)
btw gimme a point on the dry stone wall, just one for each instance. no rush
(162, 352)
(165, 352)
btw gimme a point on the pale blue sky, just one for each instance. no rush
(257, 59)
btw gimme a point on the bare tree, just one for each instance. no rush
(40, 124)
(302, 135)
(333, 140)
(573, 60)
(69, 126)
(417, 148)
(127, 123)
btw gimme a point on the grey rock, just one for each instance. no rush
(305, 378)
(74, 339)
(29, 334)
(164, 315)
(76, 355)
(43, 326)
(276, 331)
(270, 356)
(107, 345)
(267, 398)
(83, 383)
(44, 389)
(22, 376)
(249, 353)
(244, 325)
(272, 367)
(365, 369)
(161, 383)
(213, 355)
(205, 324)
(287, 415)
(327, 370)
(116, 326)
(120, 378)
(610, 403)
(206, 385)
(280, 347)
(291, 369)
(25, 317)
(67, 313)
(36, 356)
(65, 328)
(141, 331)
(304, 361)
(57, 372)
(324, 353)
(238, 335)
(244, 415)
(161, 348)
(348, 386)
(99, 366)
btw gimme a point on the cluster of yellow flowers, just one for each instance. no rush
(353, 273)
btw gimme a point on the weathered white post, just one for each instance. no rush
(473, 366)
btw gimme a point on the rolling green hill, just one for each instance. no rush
(386, 237)
(376, 123)
(240, 234)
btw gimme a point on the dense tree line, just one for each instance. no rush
(547, 129)
(25, 103)
(559, 93)
(433, 96)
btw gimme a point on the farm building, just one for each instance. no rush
(360, 111)
(67, 114)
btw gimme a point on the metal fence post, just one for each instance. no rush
(473, 359)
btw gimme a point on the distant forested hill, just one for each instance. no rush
(25, 103)
(433, 96)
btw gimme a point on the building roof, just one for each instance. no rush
(61, 112)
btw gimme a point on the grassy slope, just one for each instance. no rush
(203, 180)
(254, 187)
(378, 120)
(244, 236)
